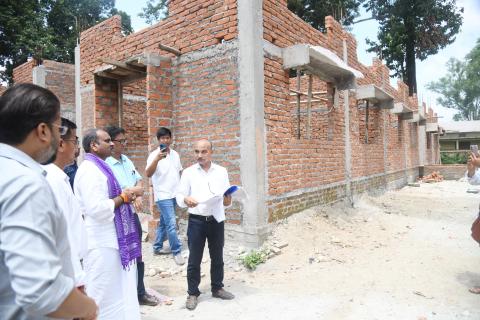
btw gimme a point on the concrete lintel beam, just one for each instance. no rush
(376, 95)
(432, 127)
(322, 63)
(399, 108)
(153, 59)
(406, 116)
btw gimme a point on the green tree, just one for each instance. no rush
(315, 11)
(48, 29)
(412, 29)
(155, 11)
(460, 88)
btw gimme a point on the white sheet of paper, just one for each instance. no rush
(213, 201)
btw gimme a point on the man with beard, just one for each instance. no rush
(35, 264)
(113, 241)
(60, 184)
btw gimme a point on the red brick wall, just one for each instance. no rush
(106, 102)
(297, 165)
(197, 95)
(23, 73)
(60, 78)
(191, 25)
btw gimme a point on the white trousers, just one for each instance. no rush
(113, 288)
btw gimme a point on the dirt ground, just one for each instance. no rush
(406, 254)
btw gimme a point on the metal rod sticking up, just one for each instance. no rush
(309, 106)
(298, 103)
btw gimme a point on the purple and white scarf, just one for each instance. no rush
(129, 245)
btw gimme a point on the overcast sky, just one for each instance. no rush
(429, 70)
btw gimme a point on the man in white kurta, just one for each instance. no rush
(68, 204)
(111, 286)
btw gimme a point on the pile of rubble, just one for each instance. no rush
(433, 177)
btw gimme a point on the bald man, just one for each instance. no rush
(199, 182)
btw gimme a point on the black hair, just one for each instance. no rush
(89, 137)
(70, 125)
(114, 131)
(162, 131)
(22, 108)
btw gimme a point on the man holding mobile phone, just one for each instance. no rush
(164, 167)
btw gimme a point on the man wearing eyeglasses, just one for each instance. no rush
(128, 176)
(60, 184)
(198, 183)
(36, 279)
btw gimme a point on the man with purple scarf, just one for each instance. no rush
(113, 241)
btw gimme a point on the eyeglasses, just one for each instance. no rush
(75, 141)
(62, 129)
(122, 141)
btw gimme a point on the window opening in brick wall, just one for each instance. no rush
(366, 116)
(312, 103)
(429, 141)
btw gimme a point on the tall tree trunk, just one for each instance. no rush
(410, 66)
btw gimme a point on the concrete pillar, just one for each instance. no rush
(252, 122)
(38, 76)
(348, 146)
(159, 113)
(78, 97)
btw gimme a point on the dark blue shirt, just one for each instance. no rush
(70, 171)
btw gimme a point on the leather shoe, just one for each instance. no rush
(192, 302)
(222, 294)
(147, 300)
(164, 250)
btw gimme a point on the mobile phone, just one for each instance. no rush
(163, 147)
(474, 149)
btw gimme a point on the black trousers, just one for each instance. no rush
(140, 265)
(197, 232)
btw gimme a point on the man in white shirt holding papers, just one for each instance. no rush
(201, 190)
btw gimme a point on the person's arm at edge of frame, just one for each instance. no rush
(76, 305)
(38, 291)
(472, 173)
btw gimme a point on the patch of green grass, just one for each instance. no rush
(454, 158)
(254, 258)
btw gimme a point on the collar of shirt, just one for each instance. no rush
(113, 161)
(18, 155)
(53, 169)
(212, 167)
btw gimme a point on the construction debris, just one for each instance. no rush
(433, 177)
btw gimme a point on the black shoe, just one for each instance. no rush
(222, 294)
(147, 300)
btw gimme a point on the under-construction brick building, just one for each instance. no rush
(294, 116)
